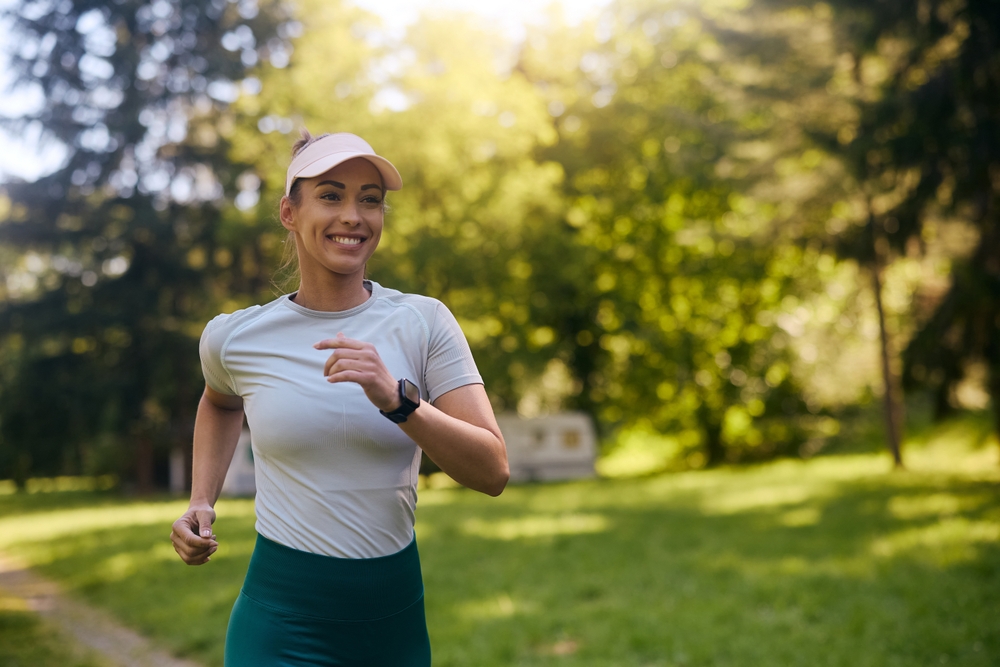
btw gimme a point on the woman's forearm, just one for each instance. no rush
(458, 431)
(474, 456)
(216, 433)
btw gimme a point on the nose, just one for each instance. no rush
(350, 214)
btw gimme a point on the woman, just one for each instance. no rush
(343, 383)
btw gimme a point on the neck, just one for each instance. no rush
(331, 292)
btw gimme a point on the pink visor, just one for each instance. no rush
(326, 153)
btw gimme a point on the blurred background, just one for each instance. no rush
(730, 231)
(725, 224)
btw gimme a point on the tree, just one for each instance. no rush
(526, 232)
(116, 246)
(687, 273)
(926, 145)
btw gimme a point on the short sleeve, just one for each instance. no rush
(210, 349)
(449, 360)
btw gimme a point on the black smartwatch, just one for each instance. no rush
(409, 400)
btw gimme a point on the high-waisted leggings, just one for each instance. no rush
(298, 608)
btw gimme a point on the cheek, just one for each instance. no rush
(376, 238)
(375, 223)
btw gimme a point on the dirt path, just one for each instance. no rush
(93, 628)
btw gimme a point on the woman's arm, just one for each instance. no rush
(458, 431)
(460, 434)
(217, 429)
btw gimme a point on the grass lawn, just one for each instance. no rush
(832, 561)
(26, 642)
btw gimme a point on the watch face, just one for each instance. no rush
(412, 391)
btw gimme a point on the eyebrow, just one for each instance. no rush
(336, 184)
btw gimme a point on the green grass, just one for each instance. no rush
(27, 642)
(833, 561)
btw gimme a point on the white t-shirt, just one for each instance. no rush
(334, 476)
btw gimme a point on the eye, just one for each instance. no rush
(330, 196)
(372, 199)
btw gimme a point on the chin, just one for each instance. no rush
(341, 270)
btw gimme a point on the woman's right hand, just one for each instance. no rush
(192, 535)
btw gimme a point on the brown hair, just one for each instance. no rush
(304, 140)
(286, 278)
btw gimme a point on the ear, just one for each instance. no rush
(286, 212)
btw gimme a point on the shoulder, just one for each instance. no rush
(426, 307)
(440, 326)
(397, 298)
(224, 325)
(215, 339)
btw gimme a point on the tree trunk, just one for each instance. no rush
(942, 406)
(991, 247)
(892, 408)
(22, 470)
(995, 398)
(994, 385)
(144, 465)
(715, 453)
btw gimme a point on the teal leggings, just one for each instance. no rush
(298, 608)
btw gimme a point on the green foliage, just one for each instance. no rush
(918, 86)
(476, 223)
(688, 271)
(656, 217)
(594, 256)
(789, 563)
(112, 274)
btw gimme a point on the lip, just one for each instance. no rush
(332, 240)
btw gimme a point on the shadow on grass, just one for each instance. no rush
(134, 572)
(862, 578)
(24, 640)
(830, 562)
(863, 428)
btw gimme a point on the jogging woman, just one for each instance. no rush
(343, 383)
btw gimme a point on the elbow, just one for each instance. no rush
(499, 481)
(502, 473)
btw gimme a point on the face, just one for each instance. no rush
(338, 220)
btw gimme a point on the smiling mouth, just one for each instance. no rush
(345, 240)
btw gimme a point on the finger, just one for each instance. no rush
(199, 560)
(341, 342)
(194, 542)
(338, 363)
(330, 361)
(190, 554)
(188, 545)
(185, 535)
(357, 377)
(205, 520)
(367, 360)
(198, 552)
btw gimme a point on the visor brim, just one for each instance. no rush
(391, 179)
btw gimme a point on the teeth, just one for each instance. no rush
(346, 240)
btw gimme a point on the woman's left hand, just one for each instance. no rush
(357, 361)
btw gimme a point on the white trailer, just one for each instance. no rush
(239, 479)
(559, 446)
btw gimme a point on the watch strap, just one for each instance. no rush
(406, 405)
